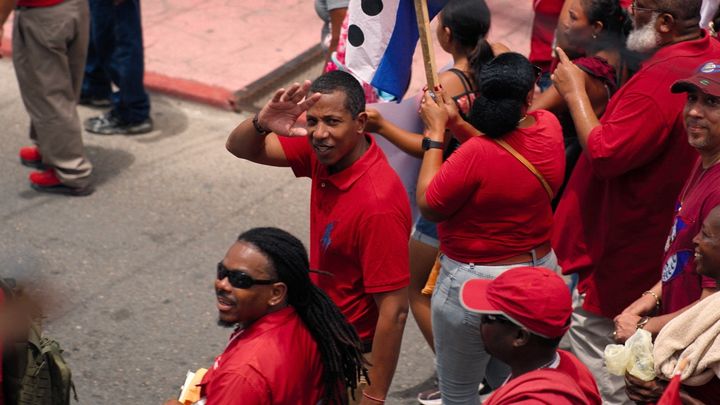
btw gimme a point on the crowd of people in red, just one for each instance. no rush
(546, 190)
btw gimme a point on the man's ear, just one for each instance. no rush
(665, 23)
(278, 294)
(522, 337)
(361, 121)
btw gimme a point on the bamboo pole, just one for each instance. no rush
(423, 21)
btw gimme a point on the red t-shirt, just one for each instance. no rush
(359, 230)
(495, 207)
(570, 383)
(543, 31)
(613, 218)
(681, 284)
(274, 361)
(38, 3)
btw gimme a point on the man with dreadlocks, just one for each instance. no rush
(359, 210)
(292, 345)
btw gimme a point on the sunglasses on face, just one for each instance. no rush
(537, 70)
(239, 279)
(490, 318)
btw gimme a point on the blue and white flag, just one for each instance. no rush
(382, 35)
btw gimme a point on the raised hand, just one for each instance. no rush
(567, 78)
(281, 113)
(433, 111)
(375, 120)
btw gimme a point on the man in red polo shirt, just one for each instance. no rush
(526, 311)
(613, 219)
(359, 212)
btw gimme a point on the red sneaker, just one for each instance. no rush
(30, 156)
(48, 182)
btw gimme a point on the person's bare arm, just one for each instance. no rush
(279, 115)
(408, 142)
(393, 311)
(337, 16)
(6, 7)
(434, 116)
(626, 322)
(569, 81)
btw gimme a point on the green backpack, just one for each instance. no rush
(34, 372)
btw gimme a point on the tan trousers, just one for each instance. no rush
(49, 49)
(588, 336)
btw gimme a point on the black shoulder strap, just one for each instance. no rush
(467, 84)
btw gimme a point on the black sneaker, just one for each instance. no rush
(109, 124)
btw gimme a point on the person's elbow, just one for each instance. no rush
(427, 211)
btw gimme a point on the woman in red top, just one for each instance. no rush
(493, 212)
(461, 32)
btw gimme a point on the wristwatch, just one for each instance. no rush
(641, 323)
(428, 143)
(259, 129)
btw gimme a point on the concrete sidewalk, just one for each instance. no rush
(211, 50)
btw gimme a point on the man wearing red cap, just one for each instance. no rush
(611, 224)
(681, 285)
(526, 311)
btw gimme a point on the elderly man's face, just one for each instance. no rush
(707, 246)
(702, 121)
(644, 36)
(244, 305)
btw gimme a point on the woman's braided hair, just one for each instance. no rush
(338, 343)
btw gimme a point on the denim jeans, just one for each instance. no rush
(426, 232)
(461, 360)
(116, 55)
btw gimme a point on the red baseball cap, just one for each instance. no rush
(533, 297)
(705, 79)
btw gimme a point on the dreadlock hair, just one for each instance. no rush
(503, 86)
(338, 343)
(469, 23)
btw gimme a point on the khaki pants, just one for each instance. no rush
(49, 49)
(588, 336)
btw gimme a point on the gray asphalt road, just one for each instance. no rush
(128, 271)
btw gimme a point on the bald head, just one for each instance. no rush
(686, 10)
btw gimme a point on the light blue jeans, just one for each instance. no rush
(460, 358)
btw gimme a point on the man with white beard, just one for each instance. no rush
(612, 221)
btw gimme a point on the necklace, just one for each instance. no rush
(522, 119)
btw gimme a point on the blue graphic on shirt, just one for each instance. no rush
(677, 227)
(327, 239)
(675, 264)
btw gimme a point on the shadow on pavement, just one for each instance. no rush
(168, 120)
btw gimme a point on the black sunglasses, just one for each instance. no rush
(490, 318)
(239, 279)
(537, 70)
